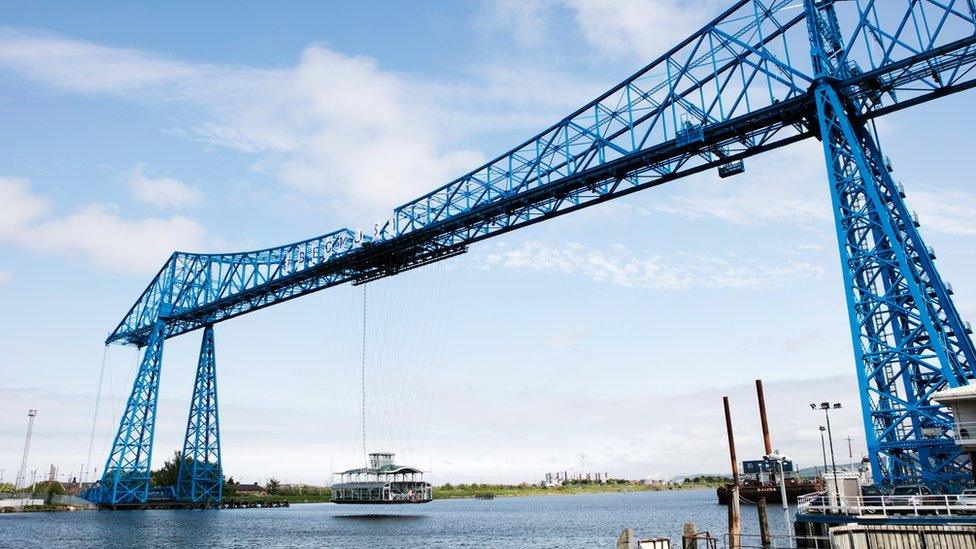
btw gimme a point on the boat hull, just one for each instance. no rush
(750, 493)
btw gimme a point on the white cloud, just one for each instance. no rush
(94, 232)
(639, 28)
(784, 186)
(338, 128)
(524, 21)
(790, 186)
(91, 68)
(17, 205)
(6, 277)
(945, 211)
(161, 191)
(622, 267)
(523, 435)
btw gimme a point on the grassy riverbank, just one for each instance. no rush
(320, 494)
(449, 491)
(315, 494)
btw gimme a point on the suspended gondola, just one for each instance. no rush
(383, 482)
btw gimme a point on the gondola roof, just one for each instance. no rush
(390, 469)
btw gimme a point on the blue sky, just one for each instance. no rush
(131, 130)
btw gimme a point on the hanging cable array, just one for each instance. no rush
(363, 380)
(98, 399)
(395, 370)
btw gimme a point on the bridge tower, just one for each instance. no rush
(125, 479)
(200, 475)
(909, 340)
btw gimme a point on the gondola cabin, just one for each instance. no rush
(383, 482)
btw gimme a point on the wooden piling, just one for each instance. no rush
(762, 417)
(689, 538)
(626, 539)
(767, 538)
(735, 526)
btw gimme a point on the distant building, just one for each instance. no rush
(551, 480)
(560, 478)
(250, 490)
(73, 487)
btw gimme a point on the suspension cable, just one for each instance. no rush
(363, 380)
(98, 399)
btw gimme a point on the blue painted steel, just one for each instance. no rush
(200, 476)
(735, 82)
(909, 340)
(732, 90)
(125, 478)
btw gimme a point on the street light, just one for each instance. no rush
(823, 449)
(780, 459)
(827, 407)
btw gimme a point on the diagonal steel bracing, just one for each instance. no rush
(126, 477)
(909, 340)
(742, 85)
(200, 475)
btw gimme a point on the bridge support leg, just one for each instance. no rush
(200, 477)
(909, 340)
(125, 479)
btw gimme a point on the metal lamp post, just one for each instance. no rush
(826, 407)
(823, 449)
(780, 459)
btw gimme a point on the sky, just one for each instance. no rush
(603, 340)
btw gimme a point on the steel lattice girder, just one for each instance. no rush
(730, 91)
(899, 311)
(738, 81)
(126, 476)
(200, 475)
(909, 340)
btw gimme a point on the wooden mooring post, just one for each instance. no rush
(626, 539)
(767, 442)
(767, 538)
(735, 525)
(689, 538)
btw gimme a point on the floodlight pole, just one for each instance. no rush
(826, 406)
(823, 449)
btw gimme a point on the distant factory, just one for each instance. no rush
(560, 478)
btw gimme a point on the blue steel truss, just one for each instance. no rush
(744, 84)
(126, 476)
(200, 476)
(909, 340)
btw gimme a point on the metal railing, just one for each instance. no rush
(704, 540)
(821, 503)
(24, 501)
(415, 496)
(965, 432)
(755, 541)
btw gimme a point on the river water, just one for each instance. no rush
(585, 520)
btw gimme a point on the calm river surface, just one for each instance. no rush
(586, 520)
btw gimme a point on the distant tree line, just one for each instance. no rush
(707, 479)
(586, 481)
(50, 488)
